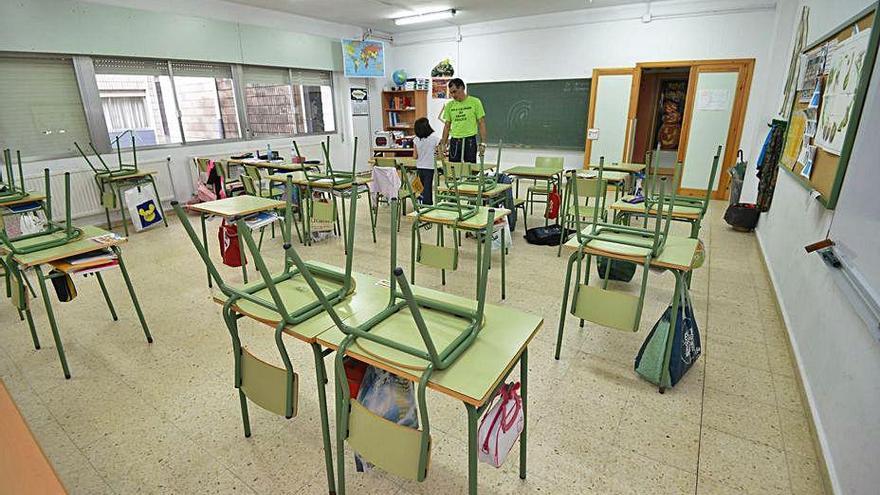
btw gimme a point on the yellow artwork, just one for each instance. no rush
(793, 138)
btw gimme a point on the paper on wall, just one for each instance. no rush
(808, 153)
(845, 66)
(713, 99)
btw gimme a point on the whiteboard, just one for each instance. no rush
(855, 228)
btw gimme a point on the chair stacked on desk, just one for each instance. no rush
(600, 304)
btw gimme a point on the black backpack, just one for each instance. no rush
(742, 216)
(546, 236)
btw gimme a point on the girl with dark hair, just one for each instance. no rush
(426, 142)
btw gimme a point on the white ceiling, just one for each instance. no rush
(378, 14)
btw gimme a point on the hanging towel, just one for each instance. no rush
(386, 181)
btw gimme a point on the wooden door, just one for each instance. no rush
(714, 114)
(610, 111)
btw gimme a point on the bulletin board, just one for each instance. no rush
(833, 147)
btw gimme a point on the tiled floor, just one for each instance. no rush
(164, 418)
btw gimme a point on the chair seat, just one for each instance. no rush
(541, 188)
(607, 243)
(295, 293)
(517, 202)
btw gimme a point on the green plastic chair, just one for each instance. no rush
(252, 180)
(53, 234)
(594, 195)
(283, 299)
(385, 444)
(9, 190)
(601, 305)
(541, 187)
(682, 203)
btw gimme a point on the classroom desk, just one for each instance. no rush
(473, 379)
(230, 209)
(678, 257)
(630, 168)
(272, 166)
(117, 184)
(394, 151)
(409, 163)
(681, 213)
(475, 224)
(23, 465)
(30, 198)
(86, 243)
(491, 197)
(327, 185)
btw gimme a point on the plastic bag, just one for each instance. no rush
(501, 426)
(143, 207)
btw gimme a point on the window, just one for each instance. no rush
(284, 102)
(207, 101)
(41, 112)
(316, 95)
(269, 102)
(138, 95)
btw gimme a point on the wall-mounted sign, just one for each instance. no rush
(359, 103)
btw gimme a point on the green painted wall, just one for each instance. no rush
(77, 27)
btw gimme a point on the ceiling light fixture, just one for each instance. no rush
(427, 17)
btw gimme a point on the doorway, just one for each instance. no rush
(660, 114)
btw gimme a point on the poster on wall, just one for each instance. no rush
(844, 67)
(360, 106)
(813, 67)
(439, 88)
(793, 139)
(713, 99)
(669, 116)
(363, 58)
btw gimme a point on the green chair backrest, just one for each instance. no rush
(249, 187)
(201, 164)
(557, 162)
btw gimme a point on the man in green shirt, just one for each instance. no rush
(464, 116)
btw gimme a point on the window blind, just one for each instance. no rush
(265, 76)
(310, 77)
(41, 112)
(130, 66)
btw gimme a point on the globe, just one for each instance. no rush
(399, 77)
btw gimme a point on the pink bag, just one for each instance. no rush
(501, 426)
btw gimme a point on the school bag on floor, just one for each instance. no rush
(501, 426)
(622, 271)
(685, 345)
(230, 249)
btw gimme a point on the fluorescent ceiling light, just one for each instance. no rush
(430, 16)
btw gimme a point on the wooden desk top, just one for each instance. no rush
(474, 190)
(476, 373)
(678, 254)
(533, 172)
(24, 467)
(140, 174)
(237, 206)
(443, 217)
(30, 198)
(328, 183)
(608, 175)
(81, 245)
(630, 168)
(679, 212)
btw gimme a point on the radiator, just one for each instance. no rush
(85, 199)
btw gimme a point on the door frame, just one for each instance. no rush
(594, 91)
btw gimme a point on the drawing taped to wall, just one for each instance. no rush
(845, 66)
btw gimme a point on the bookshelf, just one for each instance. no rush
(401, 108)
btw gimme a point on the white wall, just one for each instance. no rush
(572, 44)
(838, 359)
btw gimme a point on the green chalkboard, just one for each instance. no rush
(549, 113)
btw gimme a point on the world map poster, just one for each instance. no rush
(363, 58)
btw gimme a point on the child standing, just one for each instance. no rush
(426, 142)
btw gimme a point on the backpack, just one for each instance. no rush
(742, 216)
(230, 249)
(621, 271)
(685, 345)
(546, 236)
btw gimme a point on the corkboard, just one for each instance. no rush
(828, 168)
